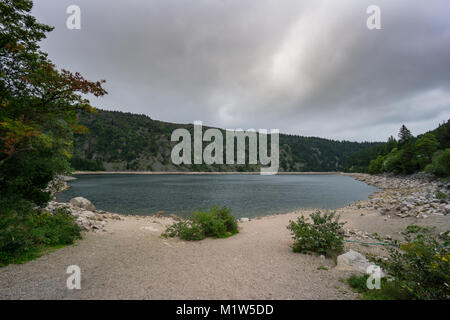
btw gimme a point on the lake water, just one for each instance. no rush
(247, 195)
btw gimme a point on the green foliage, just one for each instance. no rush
(186, 230)
(376, 166)
(441, 195)
(392, 161)
(359, 283)
(404, 135)
(217, 223)
(420, 265)
(38, 107)
(425, 147)
(389, 290)
(323, 236)
(87, 165)
(441, 163)
(426, 152)
(25, 234)
(122, 138)
(360, 161)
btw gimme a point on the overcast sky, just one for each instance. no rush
(305, 67)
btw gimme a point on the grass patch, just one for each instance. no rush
(216, 223)
(389, 290)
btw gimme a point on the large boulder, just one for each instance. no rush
(352, 261)
(83, 203)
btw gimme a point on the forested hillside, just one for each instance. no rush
(118, 141)
(429, 152)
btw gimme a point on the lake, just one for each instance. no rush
(247, 195)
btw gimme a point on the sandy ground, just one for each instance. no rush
(132, 261)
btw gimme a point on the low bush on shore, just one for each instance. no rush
(420, 264)
(217, 223)
(418, 268)
(26, 234)
(323, 236)
(388, 290)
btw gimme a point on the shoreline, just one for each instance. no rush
(197, 173)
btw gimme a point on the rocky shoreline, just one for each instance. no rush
(419, 195)
(85, 213)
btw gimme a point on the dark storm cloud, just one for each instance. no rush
(305, 67)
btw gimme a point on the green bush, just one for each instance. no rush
(420, 265)
(187, 230)
(441, 195)
(323, 236)
(376, 166)
(217, 223)
(441, 164)
(25, 233)
(389, 290)
(392, 161)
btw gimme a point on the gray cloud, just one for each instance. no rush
(305, 67)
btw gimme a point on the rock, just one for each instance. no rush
(244, 220)
(76, 214)
(322, 257)
(174, 217)
(83, 223)
(89, 214)
(447, 209)
(159, 214)
(83, 203)
(352, 261)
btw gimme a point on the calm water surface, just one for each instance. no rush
(247, 195)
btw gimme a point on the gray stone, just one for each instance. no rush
(447, 208)
(83, 203)
(352, 261)
(89, 215)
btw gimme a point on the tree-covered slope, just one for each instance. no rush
(118, 141)
(428, 152)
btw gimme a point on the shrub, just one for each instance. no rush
(441, 195)
(25, 233)
(420, 265)
(441, 164)
(389, 290)
(392, 161)
(323, 236)
(187, 230)
(376, 166)
(217, 223)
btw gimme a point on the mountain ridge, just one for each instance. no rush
(123, 141)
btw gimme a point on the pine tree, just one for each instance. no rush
(404, 134)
